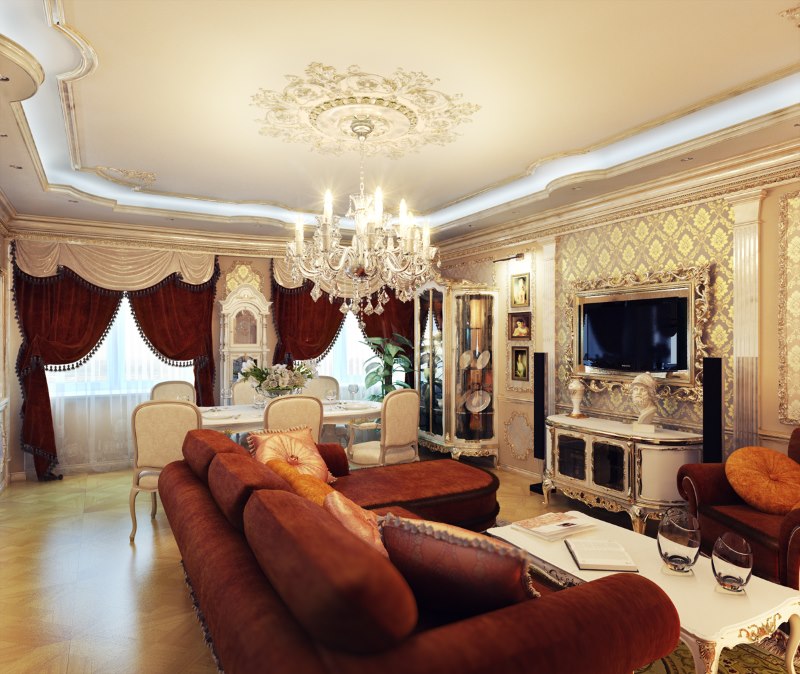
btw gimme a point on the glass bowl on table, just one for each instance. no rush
(732, 562)
(678, 540)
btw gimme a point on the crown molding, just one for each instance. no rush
(725, 134)
(132, 236)
(7, 213)
(752, 126)
(762, 168)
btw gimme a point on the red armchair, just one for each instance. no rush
(775, 539)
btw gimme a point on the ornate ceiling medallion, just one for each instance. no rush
(318, 109)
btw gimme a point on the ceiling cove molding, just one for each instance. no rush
(20, 57)
(156, 238)
(683, 112)
(735, 131)
(760, 167)
(671, 153)
(702, 185)
(87, 63)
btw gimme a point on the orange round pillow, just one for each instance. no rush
(764, 478)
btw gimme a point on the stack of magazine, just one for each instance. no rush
(554, 526)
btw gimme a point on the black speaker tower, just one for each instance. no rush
(539, 396)
(712, 410)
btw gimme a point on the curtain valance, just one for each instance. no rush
(112, 268)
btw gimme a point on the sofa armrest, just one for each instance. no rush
(705, 483)
(789, 546)
(610, 625)
(335, 458)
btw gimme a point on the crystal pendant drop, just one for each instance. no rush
(316, 293)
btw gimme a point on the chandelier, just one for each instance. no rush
(384, 251)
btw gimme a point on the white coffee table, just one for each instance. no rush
(711, 618)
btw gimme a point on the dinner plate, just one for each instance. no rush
(357, 406)
(483, 360)
(477, 401)
(465, 359)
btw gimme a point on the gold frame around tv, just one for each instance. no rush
(689, 282)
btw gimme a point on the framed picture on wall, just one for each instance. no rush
(519, 325)
(519, 363)
(520, 290)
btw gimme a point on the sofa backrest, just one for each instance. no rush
(201, 446)
(233, 477)
(345, 594)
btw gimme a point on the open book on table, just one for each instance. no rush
(592, 554)
(554, 526)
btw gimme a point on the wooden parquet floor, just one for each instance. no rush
(76, 597)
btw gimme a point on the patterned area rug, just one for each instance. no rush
(744, 659)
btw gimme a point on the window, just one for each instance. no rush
(346, 358)
(92, 404)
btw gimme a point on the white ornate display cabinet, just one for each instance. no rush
(606, 464)
(455, 339)
(243, 329)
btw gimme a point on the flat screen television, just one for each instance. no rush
(635, 334)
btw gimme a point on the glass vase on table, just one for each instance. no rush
(678, 540)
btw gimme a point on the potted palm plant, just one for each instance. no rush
(389, 361)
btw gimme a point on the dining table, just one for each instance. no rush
(250, 417)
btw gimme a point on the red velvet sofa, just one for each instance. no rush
(282, 586)
(774, 539)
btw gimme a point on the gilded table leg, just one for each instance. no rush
(705, 655)
(794, 640)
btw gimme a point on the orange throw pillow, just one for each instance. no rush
(764, 478)
(296, 447)
(302, 484)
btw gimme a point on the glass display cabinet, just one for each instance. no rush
(455, 340)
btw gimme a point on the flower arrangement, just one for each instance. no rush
(277, 378)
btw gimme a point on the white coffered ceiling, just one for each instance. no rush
(145, 112)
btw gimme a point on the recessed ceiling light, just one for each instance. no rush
(688, 159)
(4, 78)
(3, 135)
(577, 188)
(72, 201)
(15, 166)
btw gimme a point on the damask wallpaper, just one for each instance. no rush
(789, 311)
(682, 237)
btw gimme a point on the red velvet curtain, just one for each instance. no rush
(63, 319)
(397, 316)
(175, 319)
(305, 328)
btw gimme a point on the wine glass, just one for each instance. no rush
(678, 540)
(353, 388)
(330, 395)
(226, 395)
(732, 561)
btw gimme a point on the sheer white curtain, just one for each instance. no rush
(346, 359)
(92, 404)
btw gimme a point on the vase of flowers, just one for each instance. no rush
(276, 380)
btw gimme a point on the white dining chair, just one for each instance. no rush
(159, 427)
(319, 387)
(243, 393)
(173, 390)
(399, 426)
(291, 411)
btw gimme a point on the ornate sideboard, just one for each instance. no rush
(607, 464)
